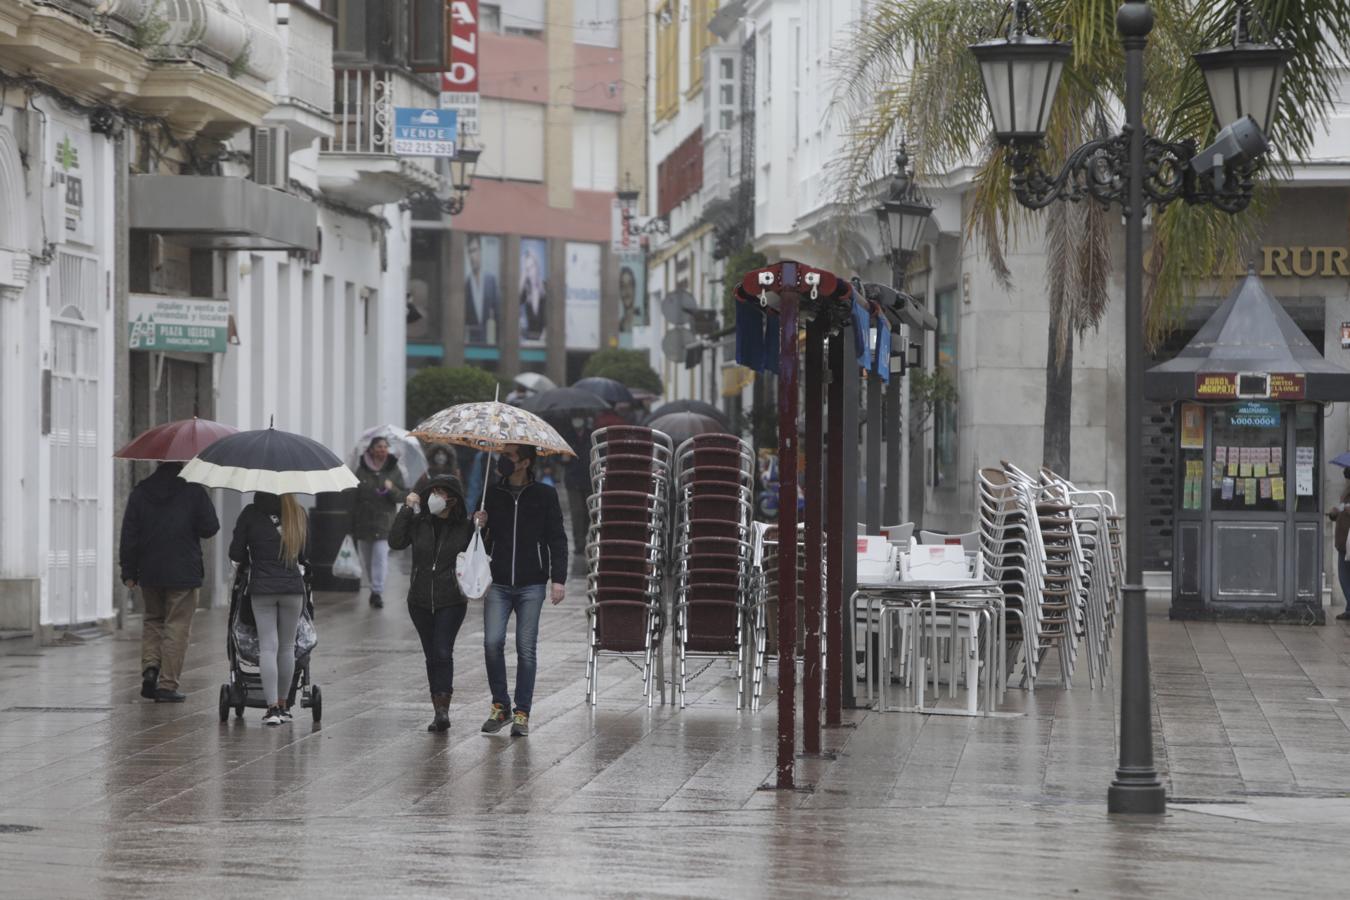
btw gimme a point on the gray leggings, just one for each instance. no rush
(277, 616)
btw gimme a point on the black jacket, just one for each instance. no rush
(525, 536)
(257, 541)
(436, 544)
(162, 530)
(373, 512)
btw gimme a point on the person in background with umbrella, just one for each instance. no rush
(161, 553)
(1340, 514)
(272, 536)
(528, 544)
(437, 535)
(577, 479)
(379, 491)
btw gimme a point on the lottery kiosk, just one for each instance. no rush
(1249, 390)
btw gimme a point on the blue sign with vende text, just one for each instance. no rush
(424, 132)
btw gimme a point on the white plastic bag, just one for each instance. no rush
(347, 564)
(473, 568)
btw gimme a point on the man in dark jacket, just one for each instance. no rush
(435, 524)
(161, 553)
(528, 543)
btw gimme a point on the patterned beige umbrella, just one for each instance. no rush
(491, 426)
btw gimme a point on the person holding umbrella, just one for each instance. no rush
(379, 491)
(163, 527)
(524, 533)
(437, 535)
(271, 535)
(525, 536)
(165, 521)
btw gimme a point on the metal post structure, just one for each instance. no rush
(872, 509)
(839, 636)
(814, 536)
(787, 536)
(834, 523)
(1136, 788)
(895, 438)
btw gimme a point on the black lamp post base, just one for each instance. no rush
(1136, 793)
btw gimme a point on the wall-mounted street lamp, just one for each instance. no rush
(628, 197)
(462, 166)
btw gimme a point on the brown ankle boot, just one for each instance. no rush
(441, 703)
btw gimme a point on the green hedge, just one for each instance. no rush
(628, 367)
(436, 387)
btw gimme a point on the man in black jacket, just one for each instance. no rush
(161, 553)
(528, 544)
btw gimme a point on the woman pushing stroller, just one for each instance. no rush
(271, 536)
(438, 529)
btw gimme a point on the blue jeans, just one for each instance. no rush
(438, 631)
(526, 602)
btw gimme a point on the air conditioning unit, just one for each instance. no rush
(271, 157)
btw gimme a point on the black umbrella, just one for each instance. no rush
(277, 462)
(681, 426)
(562, 401)
(607, 389)
(690, 406)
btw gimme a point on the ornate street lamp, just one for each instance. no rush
(901, 216)
(1021, 74)
(462, 166)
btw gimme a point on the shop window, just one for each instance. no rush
(1250, 469)
(944, 415)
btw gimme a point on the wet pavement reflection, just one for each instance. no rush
(102, 793)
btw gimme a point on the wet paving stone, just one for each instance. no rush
(123, 798)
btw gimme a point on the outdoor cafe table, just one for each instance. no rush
(968, 597)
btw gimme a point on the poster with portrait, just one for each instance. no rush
(533, 290)
(583, 296)
(482, 289)
(632, 292)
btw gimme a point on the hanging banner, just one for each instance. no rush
(582, 281)
(459, 84)
(621, 239)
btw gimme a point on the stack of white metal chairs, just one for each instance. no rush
(627, 550)
(1055, 551)
(713, 555)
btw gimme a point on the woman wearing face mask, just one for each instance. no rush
(441, 460)
(528, 544)
(437, 536)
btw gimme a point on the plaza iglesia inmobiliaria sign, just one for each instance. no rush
(1263, 385)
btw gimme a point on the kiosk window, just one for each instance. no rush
(1250, 471)
(1307, 458)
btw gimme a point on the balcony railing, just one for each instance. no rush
(363, 107)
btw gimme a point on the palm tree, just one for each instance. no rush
(909, 76)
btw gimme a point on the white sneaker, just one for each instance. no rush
(286, 714)
(272, 716)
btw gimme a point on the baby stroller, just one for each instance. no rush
(241, 648)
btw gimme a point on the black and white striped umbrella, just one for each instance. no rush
(277, 462)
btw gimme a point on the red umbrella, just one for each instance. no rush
(175, 441)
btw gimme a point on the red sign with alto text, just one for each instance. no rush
(462, 73)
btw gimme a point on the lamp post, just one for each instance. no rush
(462, 166)
(1021, 72)
(902, 214)
(628, 199)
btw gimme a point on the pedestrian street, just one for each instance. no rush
(127, 798)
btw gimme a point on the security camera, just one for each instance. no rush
(1239, 143)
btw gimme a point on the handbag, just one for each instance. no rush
(347, 564)
(473, 568)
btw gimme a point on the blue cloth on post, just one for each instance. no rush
(756, 338)
(884, 349)
(861, 335)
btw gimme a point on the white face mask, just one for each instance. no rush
(435, 504)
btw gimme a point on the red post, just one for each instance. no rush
(787, 539)
(811, 577)
(834, 527)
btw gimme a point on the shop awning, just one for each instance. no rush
(1249, 335)
(222, 213)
